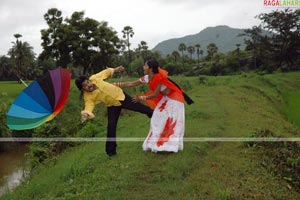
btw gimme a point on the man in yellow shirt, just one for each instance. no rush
(95, 90)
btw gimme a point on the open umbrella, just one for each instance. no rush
(41, 101)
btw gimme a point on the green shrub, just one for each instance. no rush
(92, 129)
(281, 158)
(202, 80)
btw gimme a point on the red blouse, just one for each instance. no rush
(162, 79)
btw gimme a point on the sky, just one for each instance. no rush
(152, 21)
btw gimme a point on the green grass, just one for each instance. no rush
(227, 106)
(292, 107)
(9, 90)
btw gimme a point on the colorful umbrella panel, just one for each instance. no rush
(41, 101)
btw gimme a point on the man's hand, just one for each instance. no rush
(119, 69)
(84, 117)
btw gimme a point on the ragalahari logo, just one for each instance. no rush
(282, 3)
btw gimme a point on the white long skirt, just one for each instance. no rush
(167, 127)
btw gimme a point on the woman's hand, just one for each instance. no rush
(138, 98)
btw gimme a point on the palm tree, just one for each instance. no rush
(182, 48)
(212, 49)
(128, 33)
(18, 52)
(176, 55)
(238, 53)
(143, 49)
(22, 55)
(198, 52)
(201, 53)
(191, 50)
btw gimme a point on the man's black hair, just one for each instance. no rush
(80, 80)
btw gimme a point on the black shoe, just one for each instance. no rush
(111, 154)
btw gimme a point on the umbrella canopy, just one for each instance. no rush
(41, 101)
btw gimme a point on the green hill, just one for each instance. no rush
(224, 37)
(229, 106)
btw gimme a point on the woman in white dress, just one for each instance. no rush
(168, 119)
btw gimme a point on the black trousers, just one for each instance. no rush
(113, 113)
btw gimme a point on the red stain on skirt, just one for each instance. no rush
(167, 132)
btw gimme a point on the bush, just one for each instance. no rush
(202, 80)
(279, 157)
(4, 131)
(91, 129)
(64, 125)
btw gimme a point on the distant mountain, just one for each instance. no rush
(224, 37)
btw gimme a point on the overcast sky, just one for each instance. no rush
(152, 20)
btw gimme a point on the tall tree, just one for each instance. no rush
(54, 42)
(191, 50)
(175, 55)
(201, 53)
(79, 41)
(108, 45)
(22, 56)
(182, 49)
(198, 53)
(212, 49)
(255, 43)
(127, 34)
(143, 49)
(17, 53)
(238, 53)
(5, 68)
(80, 32)
(285, 41)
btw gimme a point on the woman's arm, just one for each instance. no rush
(128, 84)
(153, 95)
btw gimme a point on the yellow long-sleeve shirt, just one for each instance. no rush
(106, 93)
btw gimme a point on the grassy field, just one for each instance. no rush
(227, 106)
(9, 90)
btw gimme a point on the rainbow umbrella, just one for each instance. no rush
(41, 101)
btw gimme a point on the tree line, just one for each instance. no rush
(85, 45)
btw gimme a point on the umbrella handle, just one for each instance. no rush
(23, 82)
